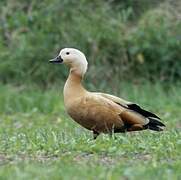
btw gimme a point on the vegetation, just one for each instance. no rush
(133, 41)
(138, 39)
(39, 141)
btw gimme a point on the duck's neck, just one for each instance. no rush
(73, 87)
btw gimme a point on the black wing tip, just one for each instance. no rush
(155, 125)
(155, 122)
(145, 113)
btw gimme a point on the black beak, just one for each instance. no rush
(58, 59)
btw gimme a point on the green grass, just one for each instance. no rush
(39, 141)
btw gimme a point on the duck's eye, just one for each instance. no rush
(67, 53)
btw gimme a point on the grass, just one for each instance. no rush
(39, 141)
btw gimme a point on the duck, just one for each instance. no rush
(96, 111)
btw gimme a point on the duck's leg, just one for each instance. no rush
(112, 135)
(95, 134)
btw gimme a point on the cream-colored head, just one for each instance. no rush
(73, 58)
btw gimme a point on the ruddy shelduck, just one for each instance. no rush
(100, 112)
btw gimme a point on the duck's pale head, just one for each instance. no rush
(74, 58)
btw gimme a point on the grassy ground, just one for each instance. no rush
(39, 141)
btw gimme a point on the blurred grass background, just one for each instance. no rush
(133, 48)
(134, 40)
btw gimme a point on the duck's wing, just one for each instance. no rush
(96, 113)
(115, 99)
(134, 114)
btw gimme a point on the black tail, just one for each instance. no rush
(154, 121)
(154, 124)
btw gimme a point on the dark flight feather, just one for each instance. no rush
(141, 111)
(154, 121)
(154, 125)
